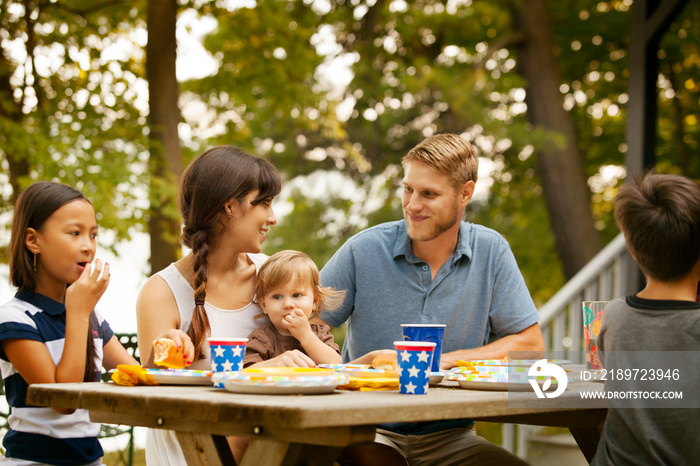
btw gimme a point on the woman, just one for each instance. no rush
(225, 198)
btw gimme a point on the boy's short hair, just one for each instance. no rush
(660, 218)
(450, 154)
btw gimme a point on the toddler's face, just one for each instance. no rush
(280, 301)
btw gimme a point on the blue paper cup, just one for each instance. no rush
(414, 359)
(426, 332)
(226, 355)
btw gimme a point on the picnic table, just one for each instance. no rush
(283, 427)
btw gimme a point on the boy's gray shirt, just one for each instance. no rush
(649, 436)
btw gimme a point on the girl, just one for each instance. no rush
(290, 293)
(224, 198)
(49, 332)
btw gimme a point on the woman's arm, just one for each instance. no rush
(157, 316)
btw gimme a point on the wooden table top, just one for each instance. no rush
(208, 405)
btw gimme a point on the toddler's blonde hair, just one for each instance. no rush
(285, 266)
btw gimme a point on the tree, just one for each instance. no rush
(69, 111)
(165, 161)
(559, 164)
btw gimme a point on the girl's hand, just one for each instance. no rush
(293, 358)
(298, 324)
(87, 290)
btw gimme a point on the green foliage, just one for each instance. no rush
(317, 227)
(76, 113)
(265, 96)
(72, 111)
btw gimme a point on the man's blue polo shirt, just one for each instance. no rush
(479, 291)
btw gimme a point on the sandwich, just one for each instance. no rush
(386, 361)
(167, 354)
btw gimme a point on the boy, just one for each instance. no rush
(660, 218)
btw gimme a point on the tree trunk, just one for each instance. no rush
(12, 116)
(164, 115)
(560, 168)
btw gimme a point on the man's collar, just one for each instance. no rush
(402, 247)
(463, 244)
(44, 303)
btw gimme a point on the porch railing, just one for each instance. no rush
(608, 275)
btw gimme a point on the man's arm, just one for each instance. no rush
(529, 339)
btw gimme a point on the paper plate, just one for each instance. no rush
(509, 362)
(436, 377)
(180, 376)
(281, 381)
(359, 370)
(501, 382)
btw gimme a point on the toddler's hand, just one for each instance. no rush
(293, 358)
(297, 323)
(87, 290)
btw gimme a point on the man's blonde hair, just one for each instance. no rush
(450, 154)
(289, 265)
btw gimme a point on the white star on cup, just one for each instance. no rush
(237, 350)
(413, 371)
(227, 366)
(423, 356)
(219, 350)
(405, 355)
(410, 388)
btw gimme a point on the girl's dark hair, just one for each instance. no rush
(34, 207)
(208, 183)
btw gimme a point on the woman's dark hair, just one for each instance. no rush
(208, 183)
(34, 207)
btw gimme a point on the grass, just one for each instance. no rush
(112, 458)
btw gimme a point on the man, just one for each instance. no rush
(433, 268)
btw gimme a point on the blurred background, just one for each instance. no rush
(116, 98)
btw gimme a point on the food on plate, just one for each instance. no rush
(386, 361)
(369, 384)
(482, 362)
(130, 375)
(167, 354)
(467, 368)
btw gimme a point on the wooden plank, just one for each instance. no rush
(339, 436)
(263, 451)
(212, 410)
(281, 427)
(587, 439)
(199, 449)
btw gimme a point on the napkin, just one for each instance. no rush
(130, 375)
(365, 384)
